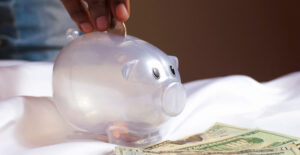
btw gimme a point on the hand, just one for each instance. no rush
(97, 14)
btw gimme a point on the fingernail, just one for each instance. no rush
(121, 12)
(102, 23)
(86, 27)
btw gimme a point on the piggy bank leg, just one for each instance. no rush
(126, 135)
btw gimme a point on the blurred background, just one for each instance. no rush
(258, 38)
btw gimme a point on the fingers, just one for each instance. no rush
(78, 14)
(99, 13)
(120, 9)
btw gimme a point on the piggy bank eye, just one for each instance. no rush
(172, 70)
(156, 74)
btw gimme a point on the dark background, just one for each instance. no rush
(258, 38)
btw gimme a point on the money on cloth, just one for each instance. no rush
(222, 139)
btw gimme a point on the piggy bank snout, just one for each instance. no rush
(173, 99)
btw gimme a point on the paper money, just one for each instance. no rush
(222, 139)
(252, 139)
(218, 130)
(286, 150)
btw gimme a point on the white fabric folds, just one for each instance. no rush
(238, 100)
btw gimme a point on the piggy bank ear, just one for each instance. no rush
(174, 60)
(128, 68)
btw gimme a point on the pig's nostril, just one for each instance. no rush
(173, 99)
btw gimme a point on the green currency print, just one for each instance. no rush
(253, 139)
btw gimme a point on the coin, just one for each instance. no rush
(118, 28)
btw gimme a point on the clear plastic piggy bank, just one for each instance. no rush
(123, 88)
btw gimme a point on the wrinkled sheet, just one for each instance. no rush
(238, 100)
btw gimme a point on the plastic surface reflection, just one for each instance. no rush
(125, 89)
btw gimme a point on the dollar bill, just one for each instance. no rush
(218, 130)
(223, 139)
(285, 150)
(297, 142)
(254, 139)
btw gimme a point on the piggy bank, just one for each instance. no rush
(123, 88)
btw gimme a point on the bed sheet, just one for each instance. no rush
(238, 100)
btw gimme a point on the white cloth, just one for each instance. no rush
(237, 100)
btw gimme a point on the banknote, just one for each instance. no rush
(285, 150)
(297, 142)
(218, 130)
(222, 139)
(254, 139)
